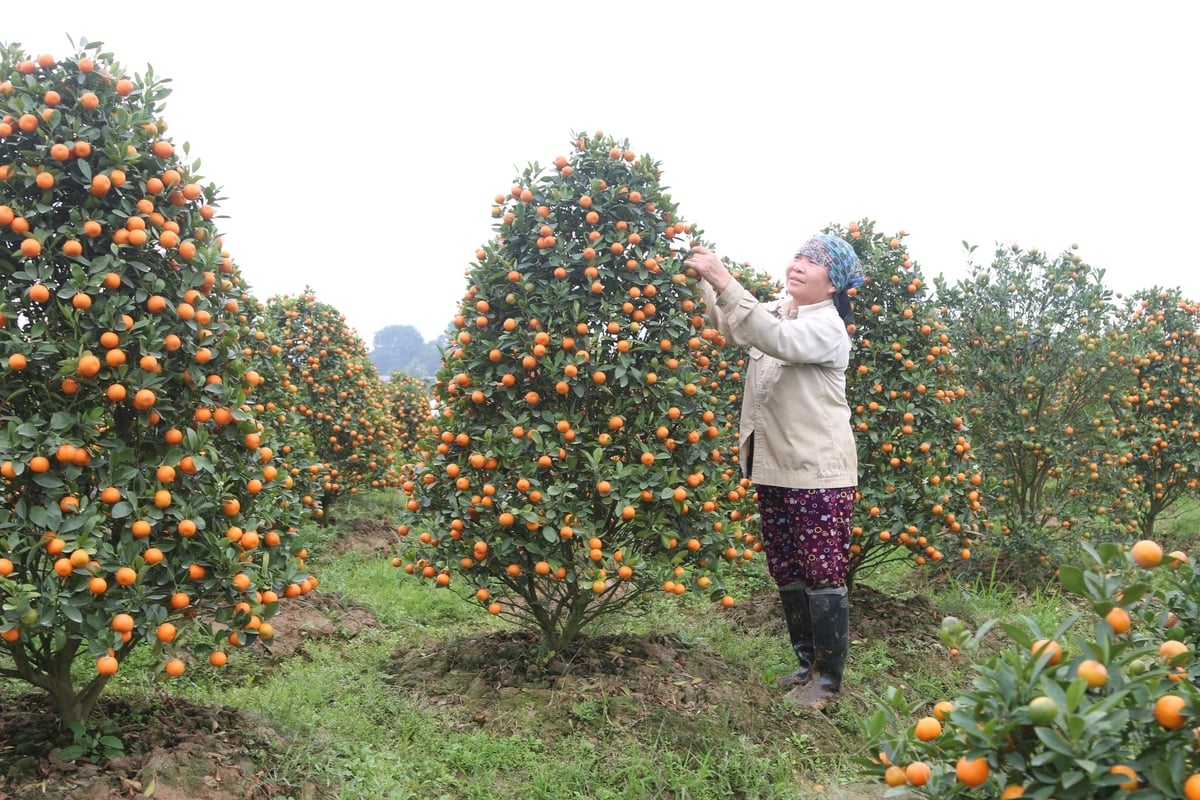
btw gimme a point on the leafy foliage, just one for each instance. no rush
(919, 481)
(1026, 332)
(142, 497)
(410, 406)
(574, 464)
(341, 398)
(1150, 442)
(1104, 706)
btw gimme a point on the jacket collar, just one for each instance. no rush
(782, 308)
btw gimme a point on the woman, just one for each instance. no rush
(796, 444)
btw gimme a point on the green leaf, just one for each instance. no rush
(1072, 579)
(1054, 741)
(61, 421)
(874, 725)
(1075, 692)
(39, 516)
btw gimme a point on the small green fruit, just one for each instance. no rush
(1043, 710)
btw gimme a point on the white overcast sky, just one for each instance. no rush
(360, 144)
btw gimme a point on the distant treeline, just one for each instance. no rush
(400, 348)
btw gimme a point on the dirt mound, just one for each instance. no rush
(370, 537)
(645, 675)
(173, 750)
(490, 679)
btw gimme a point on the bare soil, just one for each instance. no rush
(177, 750)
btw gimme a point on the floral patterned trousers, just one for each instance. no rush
(806, 534)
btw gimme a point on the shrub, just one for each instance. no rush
(142, 498)
(339, 394)
(1104, 706)
(411, 406)
(1149, 441)
(1027, 329)
(919, 486)
(573, 465)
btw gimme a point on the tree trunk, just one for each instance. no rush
(53, 674)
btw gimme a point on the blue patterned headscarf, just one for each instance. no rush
(837, 257)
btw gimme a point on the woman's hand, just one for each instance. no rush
(709, 267)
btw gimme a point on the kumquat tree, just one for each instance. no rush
(278, 401)
(573, 466)
(340, 395)
(1104, 706)
(410, 405)
(1027, 334)
(142, 498)
(920, 495)
(1151, 440)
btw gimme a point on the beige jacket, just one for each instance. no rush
(794, 403)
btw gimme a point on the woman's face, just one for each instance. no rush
(808, 282)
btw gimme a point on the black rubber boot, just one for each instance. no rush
(796, 614)
(830, 609)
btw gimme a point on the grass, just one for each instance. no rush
(348, 726)
(344, 717)
(351, 730)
